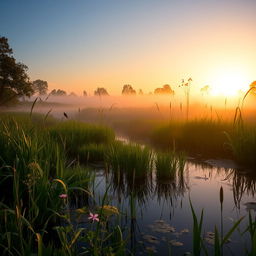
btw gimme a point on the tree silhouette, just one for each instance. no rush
(40, 86)
(166, 89)
(101, 92)
(14, 80)
(128, 90)
(58, 92)
(84, 93)
(72, 94)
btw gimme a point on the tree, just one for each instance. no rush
(166, 89)
(40, 86)
(58, 92)
(72, 94)
(14, 80)
(140, 92)
(84, 93)
(128, 90)
(101, 92)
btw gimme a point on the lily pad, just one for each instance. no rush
(151, 249)
(162, 227)
(176, 243)
(151, 239)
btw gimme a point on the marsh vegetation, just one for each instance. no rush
(72, 188)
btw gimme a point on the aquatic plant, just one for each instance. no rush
(197, 230)
(197, 137)
(242, 141)
(73, 135)
(92, 152)
(131, 167)
(252, 231)
(132, 159)
(166, 165)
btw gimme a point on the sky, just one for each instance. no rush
(81, 45)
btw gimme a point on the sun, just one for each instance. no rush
(229, 82)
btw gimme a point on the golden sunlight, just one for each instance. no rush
(229, 82)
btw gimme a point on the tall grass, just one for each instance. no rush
(30, 159)
(168, 164)
(242, 141)
(92, 152)
(197, 231)
(73, 135)
(203, 137)
(219, 239)
(131, 165)
(132, 159)
(34, 172)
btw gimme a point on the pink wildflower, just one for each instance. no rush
(93, 217)
(62, 196)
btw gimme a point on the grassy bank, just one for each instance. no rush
(40, 182)
(44, 188)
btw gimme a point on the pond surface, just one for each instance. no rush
(163, 223)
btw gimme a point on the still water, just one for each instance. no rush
(162, 222)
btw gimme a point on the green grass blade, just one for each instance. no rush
(227, 236)
(217, 251)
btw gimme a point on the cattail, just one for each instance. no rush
(221, 195)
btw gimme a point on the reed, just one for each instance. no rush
(197, 230)
(242, 141)
(130, 158)
(203, 137)
(92, 152)
(166, 165)
(73, 135)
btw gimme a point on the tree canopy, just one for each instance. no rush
(128, 90)
(58, 92)
(40, 86)
(166, 89)
(14, 80)
(101, 92)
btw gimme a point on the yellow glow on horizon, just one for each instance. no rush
(229, 82)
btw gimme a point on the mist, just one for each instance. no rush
(140, 107)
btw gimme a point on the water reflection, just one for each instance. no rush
(149, 184)
(172, 188)
(126, 183)
(242, 184)
(148, 198)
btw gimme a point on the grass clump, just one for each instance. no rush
(129, 158)
(242, 142)
(168, 164)
(39, 188)
(92, 152)
(74, 135)
(197, 137)
(131, 165)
